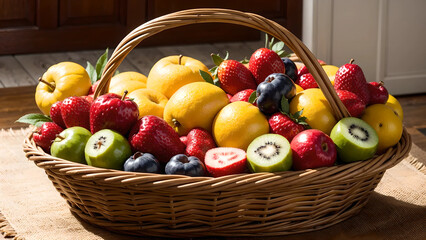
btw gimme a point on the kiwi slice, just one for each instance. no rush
(269, 153)
(355, 139)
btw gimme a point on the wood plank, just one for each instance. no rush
(144, 58)
(237, 51)
(12, 73)
(200, 52)
(37, 64)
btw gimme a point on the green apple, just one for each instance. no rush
(107, 149)
(70, 144)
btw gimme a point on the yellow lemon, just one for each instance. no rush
(386, 123)
(60, 81)
(150, 102)
(331, 70)
(298, 88)
(194, 105)
(171, 73)
(396, 106)
(316, 109)
(238, 124)
(129, 81)
(332, 79)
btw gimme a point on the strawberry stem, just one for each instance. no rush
(180, 59)
(47, 83)
(351, 61)
(381, 83)
(124, 95)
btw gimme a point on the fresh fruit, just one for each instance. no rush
(229, 96)
(194, 105)
(115, 112)
(355, 140)
(142, 162)
(184, 140)
(45, 135)
(298, 88)
(75, 111)
(60, 81)
(235, 77)
(171, 73)
(302, 70)
(330, 70)
(93, 88)
(283, 125)
(386, 123)
(313, 149)
(237, 124)
(107, 149)
(264, 62)
(243, 95)
(269, 153)
(351, 78)
(129, 81)
(396, 106)
(198, 142)
(270, 92)
(307, 81)
(378, 93)
(352, 102)
(56, 115)
(184, 165)
(70, 144)
(224, 161)
(315, 108)
(153, 135)
(290, 68)
(150, 102)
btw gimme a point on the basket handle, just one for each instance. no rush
(212, 15)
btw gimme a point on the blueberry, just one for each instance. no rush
(142, 162)
(270, 92)
(290, 68)
(184, 165)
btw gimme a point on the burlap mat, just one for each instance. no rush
(33, 209)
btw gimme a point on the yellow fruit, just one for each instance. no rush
(386, 123)
(396, 106)
(332, 79)
(194, 105)
(150, 102)
(331, 70)
(60, 81)
(316, 109)
(298, 88)
(129, 81)
(238, 124)
(171, 73)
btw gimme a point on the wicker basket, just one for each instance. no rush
(257, 204)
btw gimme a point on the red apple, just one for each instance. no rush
(312, 149)
(45, 135)
(378, 93)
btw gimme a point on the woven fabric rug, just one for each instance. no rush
(31, 208)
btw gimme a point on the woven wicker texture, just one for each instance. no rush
(264, 204)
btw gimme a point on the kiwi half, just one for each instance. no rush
(269, 153)
(355, 139)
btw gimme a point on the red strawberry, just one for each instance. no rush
(352, 102)
(115, 112)
(243, 95)
(264, 62)
(283, 125)
(75, 112)
(89, 98)
(229, 96)
(46, 134)
(198, 142)
(93, 88)
(307, 81)
(378, 93)
(184, 140)
(351, 78)
(56, 115)
(303, 70)
(153, 135)
(234, 77)
(223, 161)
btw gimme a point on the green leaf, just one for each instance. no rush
(253, 97)
(217, 59)
(92, 72)
(206, 76)
(266, 40)
(298, 114)
(271, 43)
(278, 46)
(213, 70)
(281, 53)
(116, 73)
(101, 63)
(226, 56)
(245, 61)
(216, 82)
(285, 106)
(35, 119)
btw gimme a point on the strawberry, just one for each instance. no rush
(115, 112)
(153, 135)
(264, 62)
(378, 93)
(307, 81)
(75, 112)
(46, 134)
(234, 77)
(199, 141)
(184, 140)
(56, 115)
(351, 78)
(93, 88)
(352, 102)
(243, 95)
(223, 161)
(283, 125)
(302, 71)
